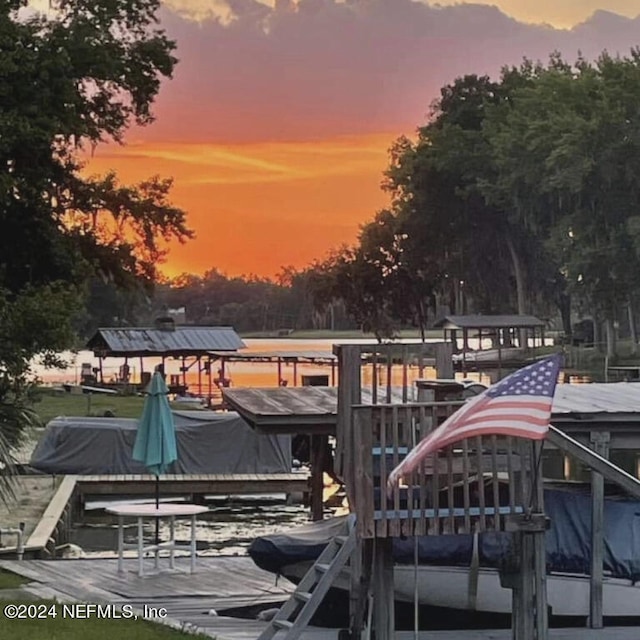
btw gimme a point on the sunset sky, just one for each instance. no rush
(277, 123)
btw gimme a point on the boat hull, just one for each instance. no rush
(448, 588)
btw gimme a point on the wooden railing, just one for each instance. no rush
(470, 486)
(373, 374)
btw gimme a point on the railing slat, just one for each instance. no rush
(512, 488)
(480, 477)
(465, 485)
(496, 479)
(450, 494)
(422, 432)
(384, 472)
(394, 525)
(410, 442)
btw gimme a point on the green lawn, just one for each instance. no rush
(64, 627)
(55, 403)
(10, 580)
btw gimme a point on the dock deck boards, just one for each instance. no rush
(219, 582)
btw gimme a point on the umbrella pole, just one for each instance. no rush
(157, 507)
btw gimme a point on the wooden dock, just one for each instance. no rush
(218, 583)
(47, 525)
(204, 484)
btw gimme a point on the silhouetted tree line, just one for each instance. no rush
(251, 303)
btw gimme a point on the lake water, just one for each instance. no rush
(227, 529)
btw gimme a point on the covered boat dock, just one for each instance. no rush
(191, 345)
(279, 358)
(511, 337)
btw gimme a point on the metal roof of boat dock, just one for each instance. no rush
(296, 409)
(488, 322)
(179, 340)
(597, 398)
(314, 357)
(314, 409)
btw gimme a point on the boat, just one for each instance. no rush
(505, 354)
(462, 572)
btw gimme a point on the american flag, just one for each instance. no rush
(519, 405)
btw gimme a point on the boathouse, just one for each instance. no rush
(509, 338)
(191, 345)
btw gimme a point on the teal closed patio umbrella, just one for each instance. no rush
(155, 444)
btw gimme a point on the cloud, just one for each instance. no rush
(323, 68)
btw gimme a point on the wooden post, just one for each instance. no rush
(279, 361)
(333, 374)
(360, 573)
(295, 373)
(184, 372)
(318, 450)
(600, 443)
(199, 375)
(529, 601)
(539, 548)
(444, 360)
(383, 590)
(210, 376)
(465, 344)
(349, 393)
(141, 372)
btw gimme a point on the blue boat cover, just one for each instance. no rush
(568, 541)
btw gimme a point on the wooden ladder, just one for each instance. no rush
(296, 613)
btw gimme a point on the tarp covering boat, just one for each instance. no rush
(568, 540)
(208, 442)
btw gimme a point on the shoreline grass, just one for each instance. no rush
(53, 403)
(56, 621)
(10, 580)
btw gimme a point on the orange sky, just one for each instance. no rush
(259, 207)
(277, 123)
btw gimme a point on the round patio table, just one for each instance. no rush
(142, 511)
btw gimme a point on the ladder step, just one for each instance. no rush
(322, 568)
(302, 596)
(340, 540)
(282, 624)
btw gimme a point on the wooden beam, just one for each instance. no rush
(53, 513)
(596, 462)
(188, 484)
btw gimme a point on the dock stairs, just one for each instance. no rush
(296, 613)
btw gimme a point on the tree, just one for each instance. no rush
(452, 232)
(360, 282)
(70, 82)
(567, 151)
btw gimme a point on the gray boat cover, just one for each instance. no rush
(207, 441)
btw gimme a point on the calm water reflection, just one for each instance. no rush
(228, 529)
